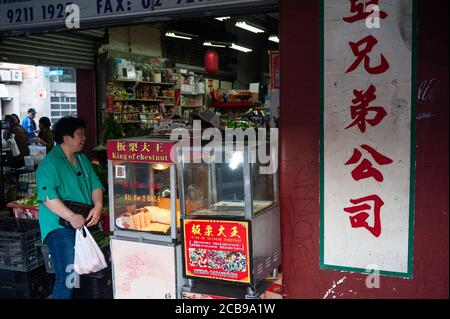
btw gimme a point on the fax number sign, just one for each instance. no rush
(52, 11)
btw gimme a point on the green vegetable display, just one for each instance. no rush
(30, 201)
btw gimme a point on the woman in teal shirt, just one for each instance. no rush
(66, 174)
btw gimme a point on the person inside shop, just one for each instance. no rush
(29, 124)
(66, 174)
(17, 139)
(45, 135)
(16, 119)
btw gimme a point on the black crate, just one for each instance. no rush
(35, 284)
(18, 244)
(95, 286)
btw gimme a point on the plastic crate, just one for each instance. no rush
(35, 284)
(18, 244)
(95, 286)
(24, 212)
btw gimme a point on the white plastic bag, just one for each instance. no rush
(88, 256)
(14, 148)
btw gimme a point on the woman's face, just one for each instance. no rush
(76, 143)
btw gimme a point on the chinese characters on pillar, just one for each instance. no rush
(367, 135)
(362, 112)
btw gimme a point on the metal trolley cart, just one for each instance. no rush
(230, 221)
(144, 218)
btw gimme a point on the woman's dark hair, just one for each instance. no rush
(66, 126)
(15, 116)
(45, 121)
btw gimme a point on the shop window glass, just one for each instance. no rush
(65, 75)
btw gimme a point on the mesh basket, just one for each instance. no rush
(24, 212)
(18, 244)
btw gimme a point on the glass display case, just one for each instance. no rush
(216, 186)
(230, 215)
(144, 218)
(142, 193)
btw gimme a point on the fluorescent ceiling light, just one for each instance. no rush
(213, 44)
(274, 38)
(240, 48)
(248, 27)
(222, 18)
(174, 35)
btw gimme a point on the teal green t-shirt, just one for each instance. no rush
(56, 177)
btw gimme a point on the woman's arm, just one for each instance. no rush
(96, 212)
(58, 208)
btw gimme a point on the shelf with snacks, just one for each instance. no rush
(232, 104)
(138, 100)
(142, 82)
(136, 118)
(192, 93)
(138, 93)
(192, 106)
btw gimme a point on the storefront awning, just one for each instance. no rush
(4, 93)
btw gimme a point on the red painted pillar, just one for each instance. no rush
(300, 167)
(299, 145)
(86, 106)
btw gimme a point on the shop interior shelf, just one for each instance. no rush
(232, 104)
(143, 82)
(138, 100)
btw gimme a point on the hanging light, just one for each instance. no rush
(160, 166)
(236, 159)
(211, 61)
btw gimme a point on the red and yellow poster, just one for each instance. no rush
(217, 249)
(139, 151)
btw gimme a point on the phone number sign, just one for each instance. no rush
(17, 17)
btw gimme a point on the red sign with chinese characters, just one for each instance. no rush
(217, 249)
(139, 151)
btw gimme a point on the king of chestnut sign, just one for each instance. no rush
(367, 144)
